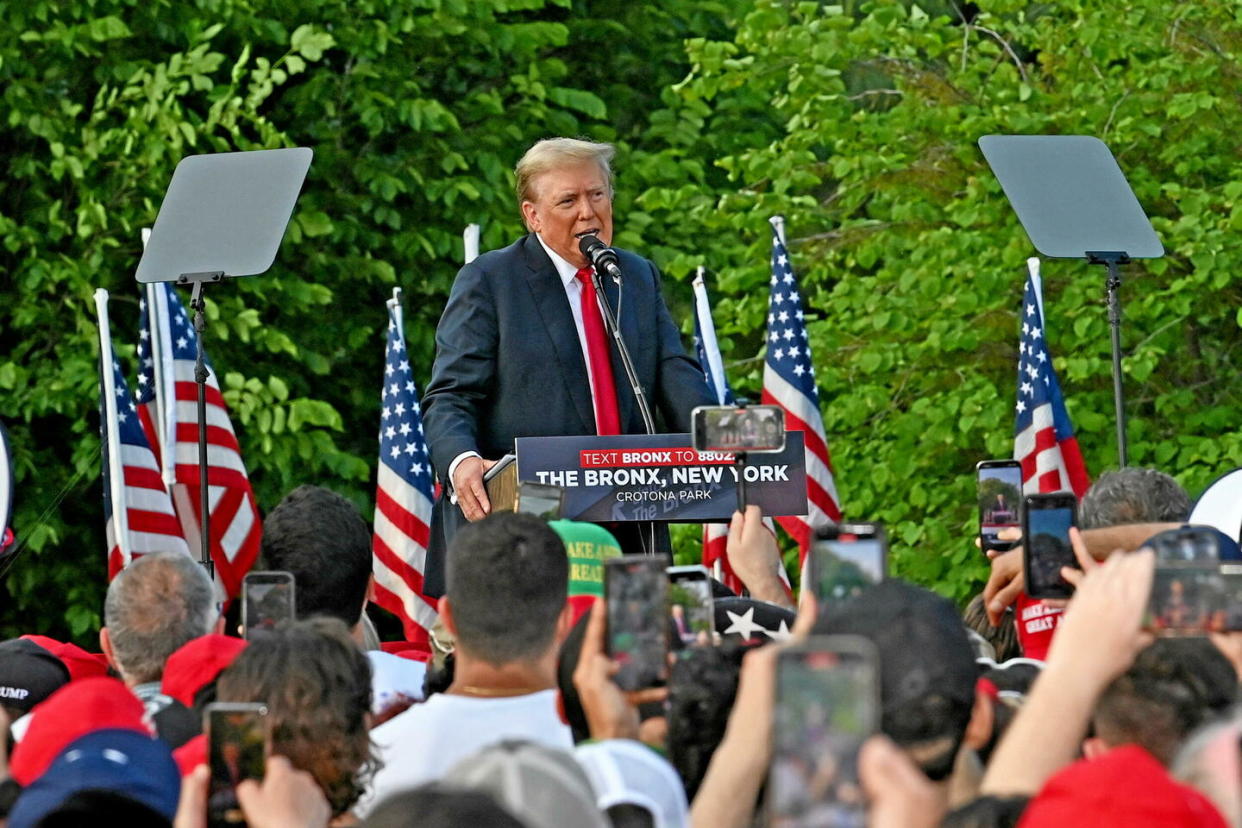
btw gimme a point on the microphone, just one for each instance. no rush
(601, 255)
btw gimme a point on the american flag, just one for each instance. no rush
(789, 381)
(1044, 440)
(404, 493)
(168, 399)
(706, 347)
(145, 521)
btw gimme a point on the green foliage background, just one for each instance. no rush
(857, 121)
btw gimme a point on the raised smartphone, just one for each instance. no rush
(690, 606)
(998, 489)
(845, 559)
(236, 750)
(267, 599)
(1046, 521)
(636, 588)
(827, 704)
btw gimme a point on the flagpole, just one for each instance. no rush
(157, 315)
(394, 307)
(1032, 267)
(470, 238)
(116, 468)
(778, 222)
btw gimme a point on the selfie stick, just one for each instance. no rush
(739, 463)
(739, 466)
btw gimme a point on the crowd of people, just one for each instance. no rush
(986, 718)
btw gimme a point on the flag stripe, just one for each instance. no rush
(419, 631)
(399, 566)
(217, 436)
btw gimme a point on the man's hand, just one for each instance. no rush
(1005, 584)
(469, 488)
(755, 558)
(610, 712)
(287, 798)
(192, 805)
(1100, 632)
(898, 793)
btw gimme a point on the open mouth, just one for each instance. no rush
(592, 232)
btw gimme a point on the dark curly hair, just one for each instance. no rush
(701, 691)
(316, 684)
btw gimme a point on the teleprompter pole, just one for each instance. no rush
(1113, 261)
(198, 304)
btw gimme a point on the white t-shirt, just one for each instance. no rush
(424, 742)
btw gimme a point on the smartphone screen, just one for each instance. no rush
(690, 605)
(827, 704)
(1046, 524)
(1188, 599)
(236, 749)
(728, 428)
(540, 500)
(267, 600)
(636, 589)
(846, 559)
(998, 487)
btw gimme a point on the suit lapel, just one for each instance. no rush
(548, 294)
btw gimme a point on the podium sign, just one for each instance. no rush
(660, 477)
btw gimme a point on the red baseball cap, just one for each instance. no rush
(77, 661)
(1126, 786)
(78, 708)
(196, 664)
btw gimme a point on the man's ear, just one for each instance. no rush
(982, 720)
(367, 597)
(531, 216)
(446, 615)
(105, 644)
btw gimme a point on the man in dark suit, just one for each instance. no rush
(519, 348)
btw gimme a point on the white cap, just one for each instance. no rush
(625, 772)
(541, 786)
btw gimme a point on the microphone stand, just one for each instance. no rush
(610, 322)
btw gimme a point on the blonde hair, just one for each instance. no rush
(551, 153)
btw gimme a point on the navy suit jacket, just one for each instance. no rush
(509, 363)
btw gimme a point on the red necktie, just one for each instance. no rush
(607, 419)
